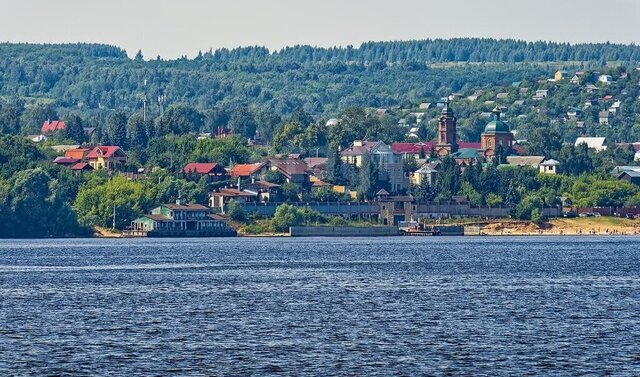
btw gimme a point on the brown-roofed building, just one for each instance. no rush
(294, 170)
(265, 191)
(219, 199)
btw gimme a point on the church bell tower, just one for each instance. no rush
(447, 139)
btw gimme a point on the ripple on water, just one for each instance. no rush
(473, 306)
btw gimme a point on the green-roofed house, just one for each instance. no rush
(180, 220)
(497, 132)
(468, 156)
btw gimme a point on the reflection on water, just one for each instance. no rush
(320, 306)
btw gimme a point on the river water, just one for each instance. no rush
(321, 306)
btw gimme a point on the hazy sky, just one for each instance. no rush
(182, 27)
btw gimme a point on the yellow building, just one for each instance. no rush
(107, 157)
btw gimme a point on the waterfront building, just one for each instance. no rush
(180, 220)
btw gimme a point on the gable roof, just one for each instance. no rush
(105, 151)
(315, 162)
(365, 148)
(592, 142)
(289, 167)
(186, 207)
(245, 170)
(233, 193)
(62, 160)
(81, 166)
(52, 126)
(534, 161)
(200, 167)
(414, 148)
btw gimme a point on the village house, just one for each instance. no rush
(263, 190)
(390, 163)
(575, 79)
(37, 138)
(560, 75)
(615, 107)
(573, 113)
(590, 88)
(550, 166)
(604, 117)
(81, 167)
(630, 174)
(180, 220)
(294, 170)
(417, 150)
(596, 144)
(541, 94)
(248, 171)
(212, 170)
(605, 79)
(108, 157)
(427, 173)
(49, 126)
(530, 161)
(218, 200)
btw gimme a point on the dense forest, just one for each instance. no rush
(92, 80)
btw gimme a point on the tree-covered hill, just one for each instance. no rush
(93, 79)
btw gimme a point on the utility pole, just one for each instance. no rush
(114, 217)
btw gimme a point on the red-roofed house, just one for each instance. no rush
(49, 127)
(107, 157)
(211, 169)
(412, 149)
(81, 166)
(247, 171)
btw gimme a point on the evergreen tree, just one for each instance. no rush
(137, 130)
(74, 129)
(368, 178)
(117, 129)
(333, 166)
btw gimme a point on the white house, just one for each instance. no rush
(549, 167)
(605, 79)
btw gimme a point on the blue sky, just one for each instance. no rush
(172, 28)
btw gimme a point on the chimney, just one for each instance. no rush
(357, 143)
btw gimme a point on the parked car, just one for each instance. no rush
(586, 214)
(631, 216)
(596, 214)
(569, 215)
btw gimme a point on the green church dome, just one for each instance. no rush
(496, 126)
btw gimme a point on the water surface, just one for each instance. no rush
(321, 306)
